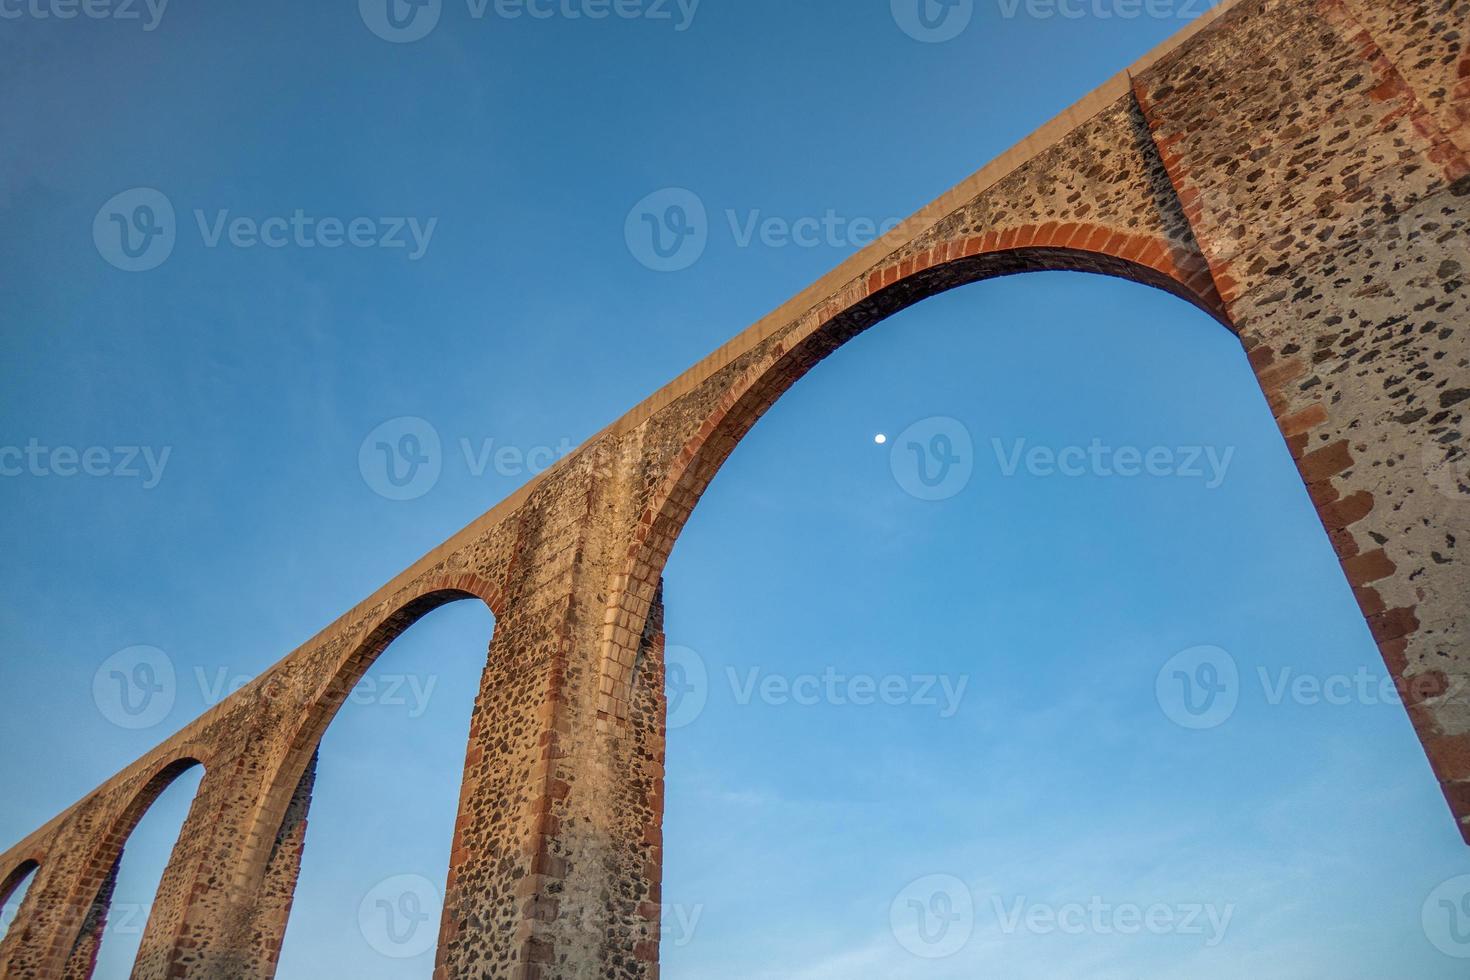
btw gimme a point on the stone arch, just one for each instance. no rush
(1461, 82)
(80, 940)
(888, 289)
(17, 874)
(321, 706)
(15, 878)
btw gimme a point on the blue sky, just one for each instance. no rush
(1048, 782)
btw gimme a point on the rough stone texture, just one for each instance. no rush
(1296, 168)
(1337, 231)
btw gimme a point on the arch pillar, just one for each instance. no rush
(23, 950)
(82, 959)
(58, 931)
(555, 860)
(208, 920)
(1342, 257)
(267, 927)
(11, 938)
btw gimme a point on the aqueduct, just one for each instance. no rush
(1298, 168)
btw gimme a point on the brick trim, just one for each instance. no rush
(1191, 202)
(17, 874)
(1460, 95)
(892, 285)
(1393, 87)
(1319, 463)
(28, 865)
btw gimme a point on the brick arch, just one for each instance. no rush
(74, 949)
(321, 707)
(16, 876)
(13, 879)
(1461, 98)
(1046, 247)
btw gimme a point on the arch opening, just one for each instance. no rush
(272, 810)
(379, 790)
(1030, 791)
(131, 866)
(1179, 270)
(13, 889)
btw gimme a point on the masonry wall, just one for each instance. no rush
(1337, 230)
(1295, 168)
